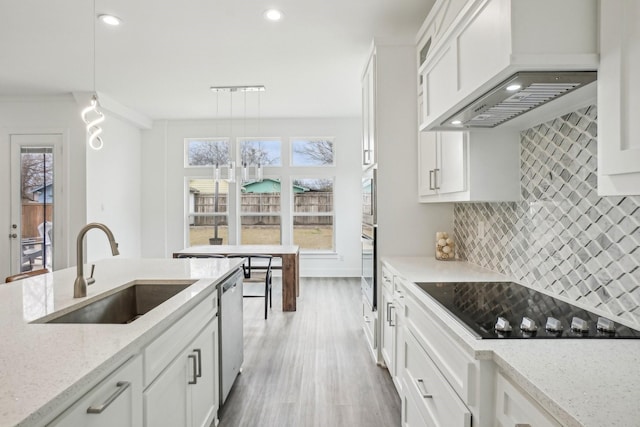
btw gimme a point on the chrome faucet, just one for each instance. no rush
(80, 284)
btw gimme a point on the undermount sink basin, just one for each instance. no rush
(124, 306)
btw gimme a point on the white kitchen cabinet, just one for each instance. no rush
(387, 328)
(399, 331)
(369, 112)
(618, 103)
(115, 401)
(185, 393)
(489, 40)
(369, 325)
(469, 166)
(515, 408)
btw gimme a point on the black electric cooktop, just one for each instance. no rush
(509, 310)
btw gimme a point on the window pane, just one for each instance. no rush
(208, 230)
(312, 195)
(266, 152)
(261, 197)
(313, 232)
(208, 152)
(311, 152)
(260, 230)
(206, 198)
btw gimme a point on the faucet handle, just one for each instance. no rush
(91, 280)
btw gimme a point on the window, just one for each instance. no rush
(260, 220)
(313, 213)
(260, 151)
(311, 152)
(208, 212)
(207, 151)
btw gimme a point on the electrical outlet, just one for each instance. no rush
(480, 229)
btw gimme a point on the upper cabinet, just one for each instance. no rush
(618, 103)
(368, 112)
(466, 48)
(469, 166)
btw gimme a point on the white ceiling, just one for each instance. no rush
(168, 53)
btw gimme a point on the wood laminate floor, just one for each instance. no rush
(310, 367)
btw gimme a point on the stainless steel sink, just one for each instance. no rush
(124, 306)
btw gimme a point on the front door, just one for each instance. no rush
(35, 189)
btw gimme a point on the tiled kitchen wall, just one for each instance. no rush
(561, 236)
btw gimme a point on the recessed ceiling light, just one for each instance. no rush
(273, 15)
(456, 122)
(514, 87)
(112, 20)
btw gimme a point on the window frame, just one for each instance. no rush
(331, 213)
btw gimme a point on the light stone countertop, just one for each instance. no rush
(588, 383)
(42, 366)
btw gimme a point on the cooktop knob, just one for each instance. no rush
(528, 325)
(502, 325)
(606, 325)
(579, 325)
(553, 325)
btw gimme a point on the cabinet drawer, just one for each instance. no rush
(514, 407)
(117, 400)
(411, 416)
(450, 358)
(435, 398)
(369, 323)
(167, 346)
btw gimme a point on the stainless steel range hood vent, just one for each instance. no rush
(520, 93)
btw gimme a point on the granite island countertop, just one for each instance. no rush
(42, 366)
(587, 383)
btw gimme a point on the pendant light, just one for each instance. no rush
(91, 115)
(231, 169)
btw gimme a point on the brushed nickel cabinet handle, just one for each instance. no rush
(121, 387)
(199, 353)
(431, 173)
(195, 372)
(436, 186)
(423, 389)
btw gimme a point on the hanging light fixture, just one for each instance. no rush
(217, 169)
(246, 168)
(91, 115)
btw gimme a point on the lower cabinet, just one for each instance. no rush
(115, 401)
(369, 325)
(514, 407)
(185, 393)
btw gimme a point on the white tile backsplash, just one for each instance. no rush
(561, 236)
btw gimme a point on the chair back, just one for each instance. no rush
(25, 275)
(258, 263)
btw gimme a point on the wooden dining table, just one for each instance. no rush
(290, 255)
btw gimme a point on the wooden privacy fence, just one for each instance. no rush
(254, 203)
(34, 214)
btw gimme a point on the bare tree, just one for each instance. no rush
(317, 151)
(36, 171)
(255, 152)
(204, 153)
(316, 184)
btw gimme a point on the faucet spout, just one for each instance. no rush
(80, 284)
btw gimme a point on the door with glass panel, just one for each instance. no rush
(35, 192)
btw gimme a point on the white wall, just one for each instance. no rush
(163, 228)
(109, 178)
(59, 114)
(114, 189)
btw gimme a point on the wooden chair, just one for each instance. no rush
(257, 269)
(25, 275)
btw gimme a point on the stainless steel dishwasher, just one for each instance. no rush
(230, 332)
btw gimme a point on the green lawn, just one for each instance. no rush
(308, 237)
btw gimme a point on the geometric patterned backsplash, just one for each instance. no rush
(561, 237)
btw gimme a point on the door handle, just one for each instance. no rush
(121, 387)
(195, 372)
(13, 236)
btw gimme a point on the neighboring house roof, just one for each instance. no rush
(207, 186)
(268, 185)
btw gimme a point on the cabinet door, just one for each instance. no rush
(426, 163)
(204, 394)
(368, 113)
(618, 103)
(450, 176)
(165, 401)
(116, 401)
(387, 329)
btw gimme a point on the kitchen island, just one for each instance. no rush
(45, 367)
(584, 382)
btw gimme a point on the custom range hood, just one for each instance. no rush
(519, 94)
